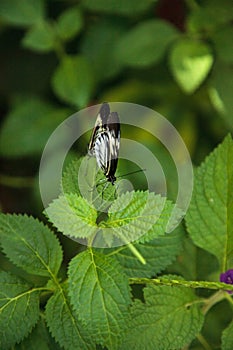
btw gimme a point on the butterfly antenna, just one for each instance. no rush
(132, 172)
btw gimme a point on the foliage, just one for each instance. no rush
(132, 286)
(164, 307)
(94, 305)
(213, 197)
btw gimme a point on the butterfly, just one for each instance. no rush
(105, 141)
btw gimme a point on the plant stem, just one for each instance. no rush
(136, 253)
(133, 249)
(214, 299)
(182, 283)
(203, 342)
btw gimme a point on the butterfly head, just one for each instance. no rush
(111, 178)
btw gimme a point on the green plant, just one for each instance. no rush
(98, 302)
(161, 291)
(98, 50)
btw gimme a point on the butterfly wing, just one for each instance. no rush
(100, 126)
(107, 146)
(102, 150)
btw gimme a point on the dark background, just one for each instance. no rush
(58, 57)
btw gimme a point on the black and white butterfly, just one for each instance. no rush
(105, 141)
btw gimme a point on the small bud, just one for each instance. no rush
(227, 277)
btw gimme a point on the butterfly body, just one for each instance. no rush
(105, 141)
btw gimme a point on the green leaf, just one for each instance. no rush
(73, 216)
(223, 41)
(36, 249)
(221, 87)
(73, 81)
(64, 325)
(69, 23)
(210, 16)
(209, 218)
(82, 176)
(158, 253)
(140, 216)
(38, 339)
(169, 319)
(145, 44)
(19, 309)
(99, 44)
(70, 177)
(121, 7)
(190, 63)
(31, 123)
(99, 291)
(40, 38)
(22, 12)
(227, 338)
(195, 263)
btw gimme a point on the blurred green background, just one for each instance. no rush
(58, 57)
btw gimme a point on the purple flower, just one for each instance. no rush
(227, 277)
